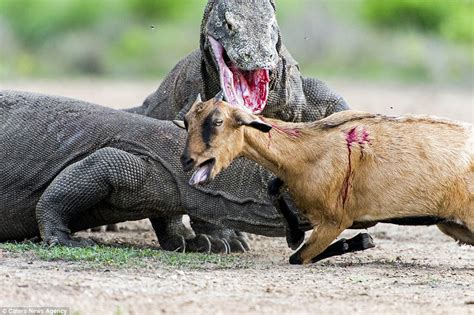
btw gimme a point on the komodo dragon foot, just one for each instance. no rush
(232, 240)
(63, 238)
(173, 235)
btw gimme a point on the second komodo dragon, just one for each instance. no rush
(241, 53)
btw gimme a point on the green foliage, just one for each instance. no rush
(163, 9)
(452, 19)
(108, 256)
(460, 26)
(146, 38)
(34, 21)
(426, 15)
(134, 44)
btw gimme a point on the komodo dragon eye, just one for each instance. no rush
(218, 122)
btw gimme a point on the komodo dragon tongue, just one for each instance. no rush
(246, 89)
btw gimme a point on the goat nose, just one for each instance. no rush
(187, 162)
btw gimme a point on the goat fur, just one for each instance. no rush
(351, 167)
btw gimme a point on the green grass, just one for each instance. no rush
(125, 257)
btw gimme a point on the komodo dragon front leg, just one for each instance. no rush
(102, 189)
(66, 204)
(105, 188)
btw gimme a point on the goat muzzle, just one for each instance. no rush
(187, 162)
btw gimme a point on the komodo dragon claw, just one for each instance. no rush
(233, 241)
(204, 243)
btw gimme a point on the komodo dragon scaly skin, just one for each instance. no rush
(241, 53)
(68, 165)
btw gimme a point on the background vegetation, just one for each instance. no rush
(424, 40)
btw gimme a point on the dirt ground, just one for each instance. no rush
(412, 270)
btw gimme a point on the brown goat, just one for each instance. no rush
(349, 168)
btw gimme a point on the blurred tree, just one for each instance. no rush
(147, 37)
(450, 18)
(34, 21)
(163, 9)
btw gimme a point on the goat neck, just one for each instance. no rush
(283, 150)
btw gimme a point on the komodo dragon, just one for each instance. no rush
(68, 165)
(241, 53)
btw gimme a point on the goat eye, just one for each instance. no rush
(218, 122)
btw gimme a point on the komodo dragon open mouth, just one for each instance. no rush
(246, 89)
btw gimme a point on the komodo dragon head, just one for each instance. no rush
(240, 39)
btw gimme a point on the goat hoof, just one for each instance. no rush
(296, 259)
(294, 238)
(361, 241)
(367, 241)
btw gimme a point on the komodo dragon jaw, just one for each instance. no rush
(246, 89)
(244, 53)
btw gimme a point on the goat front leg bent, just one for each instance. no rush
(321, 237)
(294, 235)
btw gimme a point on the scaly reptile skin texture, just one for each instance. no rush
(291, 97)
(68, 165)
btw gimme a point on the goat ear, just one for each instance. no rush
(260, 125)
(245, 119)
(179, 123)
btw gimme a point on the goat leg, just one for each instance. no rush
(320, 239)
(294, 235)
(360, 242)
